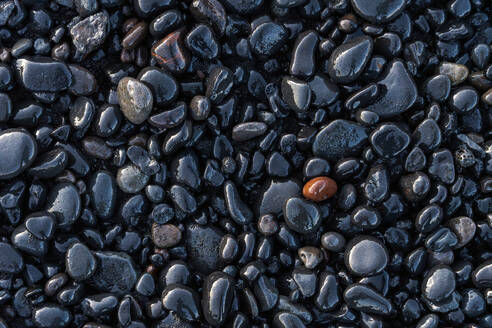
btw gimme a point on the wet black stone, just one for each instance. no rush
(439, 283)
(79, 262)
(301, 215)
(89, 34)
(379, 11)
(217, 296)
(99, 304)
(50, 164)
(388, 140)
(366, 256)
(464, 99)
(201, 41)
(182, 300)
(267, 39)
(339, 139)
(266, 293)
(238, 210)
(11, 260)
(41, 225)
(219, 84)
(296, 93)
(287, 319)
(210, 12)
(400, 94)
(363, 298)
(165, 23)
(438, 88)
(427, 135)
(482, 275)
(202, 244)
(323, 91)
(26, 242)
(22, 149)
(102, 191)
(51, 316)
(248, 130)
(64, 203)
(441, 166)
(348, 61)
(243, 7)
(164, 86)
(275, 193)
(115, 273)
(182, 199)
(84, 82)
(302, 63)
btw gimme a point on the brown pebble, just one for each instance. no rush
(128, 25)
(310, 256)
(319, 189)
(135, 36)
(165, 235)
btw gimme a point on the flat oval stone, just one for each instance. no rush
(64, 202)
(135, 99)
(248, 130)
(79, 262)
(41, 225)
(366, 256)
(267, 39)
(319, 189)
(301, 215)
(439, 283)
(51, 316)
(11, 261)
(43, 74)
(340, 138)
(165, 235)
(378, 11)
(170, 53)
(365, 299)
(102, 192)
(131, 179)
(348, 60)
(217, 297)
(164, 86)
(401, 91)
(22, 150)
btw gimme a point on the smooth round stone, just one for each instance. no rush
(164, 86)
(43, 74)
(22, 150)
(217, 297)
(169, 118)
(176, 272)
(107, 120)
(366, 256)
(347, 61)
(165, 235)
(401, 91)
(482, 275)
(296, 93)
(64, 203)
(115, 273)
(135, 99)
(51, 316)
(340, 138)
(378, 11)
(301, 215)
(131, 179)
(388, 140)
(319, 189)
(302, 63)
(11, 261)
(464, 100)
(182, 300)
(267, 39)
(79, 262)
(439, 283)
(165, 22)
(102, 192)
(365, 299)
(333, 241)
(41, 225)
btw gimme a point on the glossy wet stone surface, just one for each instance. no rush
(246, 163)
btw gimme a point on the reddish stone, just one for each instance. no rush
(319, 189)
(170, 52)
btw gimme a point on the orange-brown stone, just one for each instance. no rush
(319, 189)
